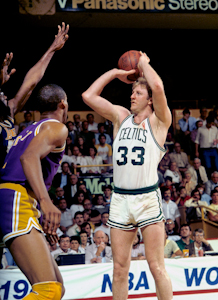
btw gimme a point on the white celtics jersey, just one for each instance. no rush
(136, 155)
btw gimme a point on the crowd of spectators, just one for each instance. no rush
(188, 178)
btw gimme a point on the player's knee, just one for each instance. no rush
(50, 290)
(120, 271)
(157, 271)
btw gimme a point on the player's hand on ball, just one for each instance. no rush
(122, 75)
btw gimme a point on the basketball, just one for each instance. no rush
(129, 61)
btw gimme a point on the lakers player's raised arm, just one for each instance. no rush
(92, 96)
(35, 74)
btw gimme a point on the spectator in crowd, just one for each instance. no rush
(174, 173)
(138, 250)
(107, 190)
(200, 244)
(169, 144)
(185, 233)
(93, 126)
(187, 124)
(104, 150)
(63, 178)
(204, 197)
(59, 194)
(171, 249)
(182, 196)
(180, 158)
(66, 216)
(98, 252)
(101, 130)
(83, 148)
(193, 211)
(188, 183)
(70, 189)
(203, 115)
(168, 184)
(99, 204)
(83, 240)
(164, 163)
(77, 124)
(104, 227)
(109, 128)
(88, 136)
(207, 138)
(212, 183)
(92, 159)
(170, 209)
(77, 202)
(87, 214)
(64, 247)
(78, 159)
(198, 172)
(213, 216)
(69, 147)
(88, 229)
(72, 132)
(95, 216)
(171, 232)
(75, 244)
(76, 228)
(193, 134)
(68, 159)
(27, 121)
(82, 187)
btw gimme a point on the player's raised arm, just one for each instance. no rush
(159, 100)
(99, 104)
(36, 73)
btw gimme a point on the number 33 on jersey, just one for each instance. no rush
(136, 155)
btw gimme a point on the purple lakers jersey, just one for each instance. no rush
(12, 170)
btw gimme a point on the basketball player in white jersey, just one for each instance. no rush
(139, 139)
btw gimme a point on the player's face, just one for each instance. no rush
(139, 99)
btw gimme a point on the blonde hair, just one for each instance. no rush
(143, 82)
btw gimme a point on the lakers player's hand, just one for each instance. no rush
(51, 217)
(61, 37)
(4, 73)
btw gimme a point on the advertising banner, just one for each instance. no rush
(95, 183)
(144, 6)
(192, 278)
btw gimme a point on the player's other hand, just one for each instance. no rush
(144, 59)
(122, 75)
(51, 217)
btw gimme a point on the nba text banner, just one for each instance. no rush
(165, 6)
(192, 278)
